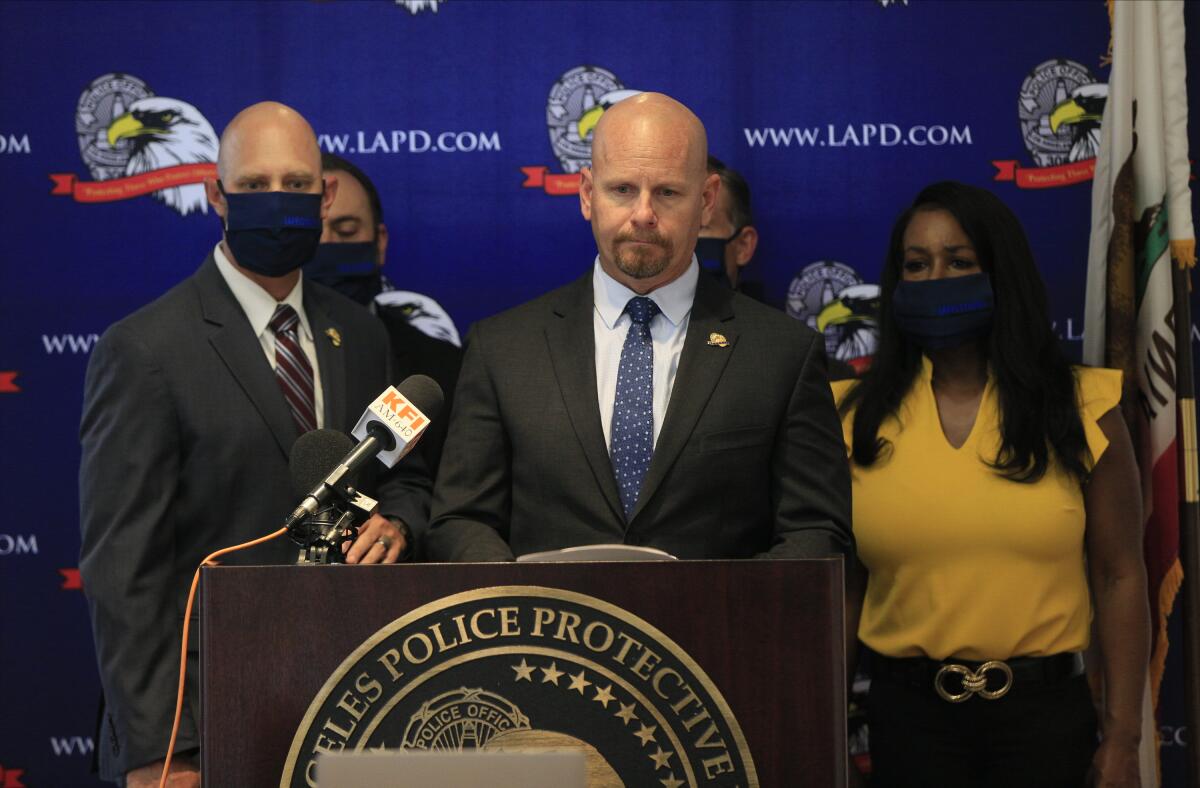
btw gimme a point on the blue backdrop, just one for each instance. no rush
(836, 113)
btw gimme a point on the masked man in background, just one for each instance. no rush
(354, 243)
(727, 241)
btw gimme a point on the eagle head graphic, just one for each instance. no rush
(1081, 112)
(164, 132)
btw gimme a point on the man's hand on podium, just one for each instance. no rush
(380, 541)
(185, 773)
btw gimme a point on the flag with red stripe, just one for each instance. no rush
(1141, 209)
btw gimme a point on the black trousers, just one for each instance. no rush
(1033, 737)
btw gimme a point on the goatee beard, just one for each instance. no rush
(642, 262)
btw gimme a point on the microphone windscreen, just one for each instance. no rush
(424, 392)
(314, 455)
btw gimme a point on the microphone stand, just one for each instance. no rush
(321, 534)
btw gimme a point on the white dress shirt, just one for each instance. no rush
(667, 331)
(259, 306)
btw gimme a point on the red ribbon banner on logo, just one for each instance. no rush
(8, 383)
(132, 186)
(11, 778)
(71, 580)
(557, 184)
(1045, 177)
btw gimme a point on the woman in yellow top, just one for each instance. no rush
(995, 502)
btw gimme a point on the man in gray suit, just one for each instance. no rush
(191, 408)
(643, 404)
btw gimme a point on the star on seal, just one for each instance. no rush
(579, 683)
(551, 675)
(646, 734)
(524, 671)
(661, 758)
(604, 696)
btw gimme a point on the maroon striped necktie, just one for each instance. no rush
(292, 368)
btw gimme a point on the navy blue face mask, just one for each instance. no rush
(272, 233)
(348, 268)
(711, 254)
(944, 313)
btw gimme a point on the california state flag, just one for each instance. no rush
(1141, 211)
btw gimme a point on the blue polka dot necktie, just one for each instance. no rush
(632, 442)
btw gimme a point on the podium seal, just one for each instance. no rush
(527, 667)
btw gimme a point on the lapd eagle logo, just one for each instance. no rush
(125, 131)
(1060, 105)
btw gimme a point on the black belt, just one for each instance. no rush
(956, 680)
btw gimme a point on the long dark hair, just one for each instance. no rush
(1033, 380)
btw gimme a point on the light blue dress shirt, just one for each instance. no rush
(667, 331)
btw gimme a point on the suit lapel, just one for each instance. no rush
(331, 360)
(700, 368)
(234, 341)
(570, 336)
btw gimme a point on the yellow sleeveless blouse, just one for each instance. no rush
(963, 562)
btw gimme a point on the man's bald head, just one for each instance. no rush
(648, 190)
(266, 123)
(651, 118)
(268, 147)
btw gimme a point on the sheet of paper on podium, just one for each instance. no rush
(598, 552)
(466, 769)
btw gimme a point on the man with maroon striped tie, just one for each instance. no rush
(191, 407)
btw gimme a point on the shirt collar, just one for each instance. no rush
(257, 303)
(674, 299)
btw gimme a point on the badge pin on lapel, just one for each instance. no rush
(717, 340)
(335, 337)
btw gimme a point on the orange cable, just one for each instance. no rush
(187, 620)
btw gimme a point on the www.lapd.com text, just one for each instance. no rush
(410, 141)
(857, 135)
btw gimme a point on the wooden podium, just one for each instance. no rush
(673, 672)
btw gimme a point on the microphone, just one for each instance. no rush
(314, 454)
(398, 417)
(389, 429)
(335, 510)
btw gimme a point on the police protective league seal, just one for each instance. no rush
(529, 667)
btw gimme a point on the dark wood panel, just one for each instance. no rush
(768, 633)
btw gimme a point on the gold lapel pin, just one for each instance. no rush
(717, 340)
(335, 337)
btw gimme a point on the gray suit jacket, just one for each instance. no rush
(185, 443)
(749, 460)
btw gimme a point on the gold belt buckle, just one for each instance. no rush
(973, 682)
